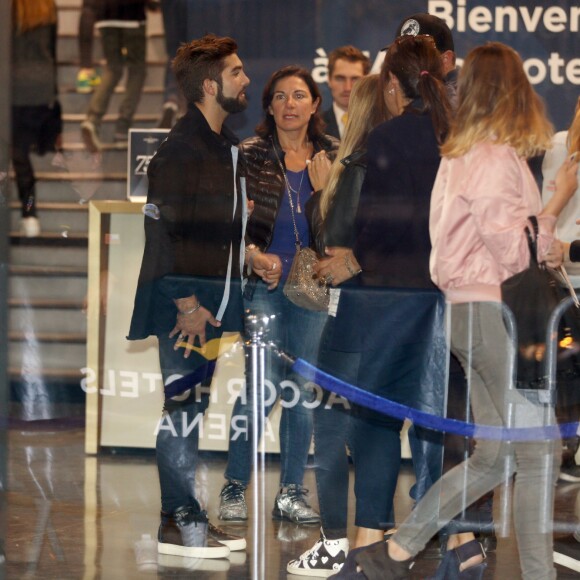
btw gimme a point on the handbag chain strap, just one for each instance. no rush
(297, 242)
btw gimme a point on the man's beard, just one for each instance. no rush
(231, 105)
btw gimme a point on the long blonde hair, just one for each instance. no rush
(29, 14)
(366, 109)
(497, 102)
(574, 131)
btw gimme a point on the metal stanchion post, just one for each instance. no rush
(257, 328)
(503, 528)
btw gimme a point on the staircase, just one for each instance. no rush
(48, 274)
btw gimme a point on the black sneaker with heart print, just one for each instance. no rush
(324, 559)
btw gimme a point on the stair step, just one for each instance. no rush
(78, 176)
(51, 337)
(110, 117)
(55, 206)
(53, 239)
(47, 320)
(47, 271)
(44, 355)
(73, 375)
(45, 303)
(75, 257)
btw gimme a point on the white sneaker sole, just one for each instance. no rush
(312, 572)
(193, 551)
(191, 564)
(566, 561)
(234, 545)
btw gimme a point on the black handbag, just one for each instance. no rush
(531, 296)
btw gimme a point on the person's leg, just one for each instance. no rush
(538, 465)
(21, 162)
(175, 23)
(240, 458)
(377, 451)
(86, 34)
(331, 427)
(178, 435)
(113, 50)
(135, 43)
(481, 343)
(303, 331)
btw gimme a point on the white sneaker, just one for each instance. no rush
(90, 137)
(324, 559)
(30, 227)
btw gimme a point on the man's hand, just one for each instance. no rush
(190, 325)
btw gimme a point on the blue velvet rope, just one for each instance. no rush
(366, 399)
(179, 386)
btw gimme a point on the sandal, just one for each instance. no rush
(376, 564)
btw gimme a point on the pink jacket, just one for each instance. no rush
(479, 209)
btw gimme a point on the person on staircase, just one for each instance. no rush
(36, 120)
(122, 27)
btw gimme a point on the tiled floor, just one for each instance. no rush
(72, 516)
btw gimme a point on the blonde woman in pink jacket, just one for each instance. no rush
(481, 201)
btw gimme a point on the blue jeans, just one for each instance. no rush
(296, 331)
(331, 438)
(177, 442)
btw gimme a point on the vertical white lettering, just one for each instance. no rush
(442, 9)
(112, 385)
(573, 71)
(531, 20)
(555, 19)
(166, 424)
(335, 399)
(555, 63)
(270, 394)
(216, 426)
(239, 427)
(480, 19)
(295, 399)
(205, 390)
(130, 381)
(574, 19)
(537, 76)
(268, 432)
(90, 378)
(152, 379)
(235, 388)
(319, 393)
(503, 12)
(197, 421)
(461, 15)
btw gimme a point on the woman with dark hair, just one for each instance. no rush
(333, 213)
(290, 141)
(482, 200)
(393, 315)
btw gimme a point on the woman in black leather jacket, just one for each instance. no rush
(332, 215)
(290, 141)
